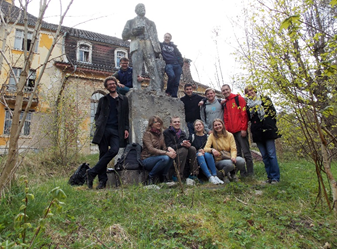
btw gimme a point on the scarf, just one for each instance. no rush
(177, 132)
(255, 107)
(155, 131)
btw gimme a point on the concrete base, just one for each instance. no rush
(144, 104)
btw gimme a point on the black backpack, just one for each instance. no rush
(130, 160)
(80, 175)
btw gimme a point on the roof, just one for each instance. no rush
(12, 13)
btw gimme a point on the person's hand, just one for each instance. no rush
(186, 144)
(223, 101)
(200, 103)
(243, 133)
(210, 132)
(201, 152)
(120, 85)
(126, 134)
(215, 153)
(140, 78)
(233, 160)
(171, 154)
(170, 149)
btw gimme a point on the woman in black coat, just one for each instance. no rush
(262, 115)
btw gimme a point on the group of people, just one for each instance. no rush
(217, 137)
(217, 128)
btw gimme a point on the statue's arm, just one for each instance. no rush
(127, 32)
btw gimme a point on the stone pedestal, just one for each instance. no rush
(144, 104)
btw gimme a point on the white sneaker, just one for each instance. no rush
(213, 180)
(218, 180)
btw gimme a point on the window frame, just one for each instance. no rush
(19, 39)
(79, 50)
(117, 58)
(17, 71)
(26, 128)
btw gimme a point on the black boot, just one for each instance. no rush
(90, 179)
(149, 181)
(101, 185)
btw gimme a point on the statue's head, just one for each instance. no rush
(140, 9)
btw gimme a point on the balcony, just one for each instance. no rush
(9, 93)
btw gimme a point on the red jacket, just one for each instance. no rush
(235, 118)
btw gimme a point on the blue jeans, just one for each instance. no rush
(268, 152)
(207, 161)
(157, 164)
(190, 127)
(173, 72)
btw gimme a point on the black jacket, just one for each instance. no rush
(176, 52)
(171, 140)
(102, 115)
(192, 110)
(265, 129)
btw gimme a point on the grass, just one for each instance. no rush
(246, 214)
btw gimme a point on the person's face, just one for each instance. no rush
(156, 124)
(124, 65)
(175, 123)
(198, 126)
(210, 95)
(111, 86)
(226, 91)
(140, 10)
(167, 38)
(251, 93)
(217, 126)
(188, 91)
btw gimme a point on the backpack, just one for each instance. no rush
(130, 160)
(80, 175)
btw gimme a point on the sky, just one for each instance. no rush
(191, 23)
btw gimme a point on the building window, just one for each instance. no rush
(30, 80)
(84, 51)
(20, 39)
(93, 107)
(119, 54)
(26, 127)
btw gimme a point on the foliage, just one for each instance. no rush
(290, 53)
(22, 226)
(247, 214)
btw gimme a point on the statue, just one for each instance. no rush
(144, 47)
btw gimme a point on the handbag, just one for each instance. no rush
(224, 154)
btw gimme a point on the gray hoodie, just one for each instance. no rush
(209, 112)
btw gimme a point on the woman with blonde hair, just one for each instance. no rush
(221, 144)
(205, 159)
(156, 157)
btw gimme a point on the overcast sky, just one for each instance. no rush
(190, 22)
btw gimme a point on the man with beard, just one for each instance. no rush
(112, 130)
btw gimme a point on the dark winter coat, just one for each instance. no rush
(102, 115)
(171, 140)
(265, 129)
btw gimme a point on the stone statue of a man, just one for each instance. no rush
(144, 47)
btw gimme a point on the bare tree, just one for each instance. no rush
(28, 51)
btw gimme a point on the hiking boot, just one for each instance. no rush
(218, 180)
(226, 180)
(274, 182)
(234, 178)
(150, 181)
(229, 176)
(213, 180)
(267, 181)
(101, 185)
(90, 179)
(166, 179)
